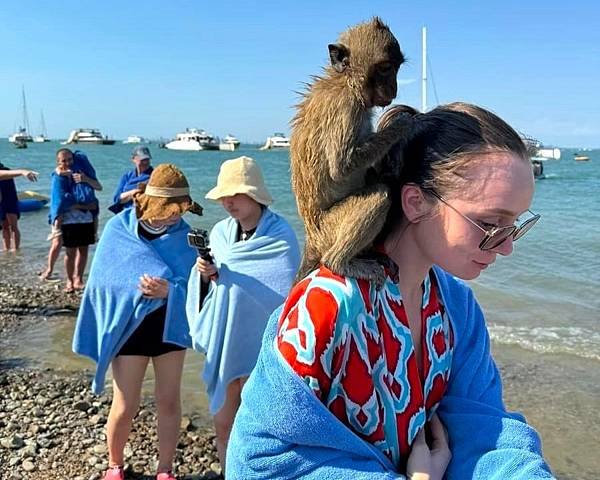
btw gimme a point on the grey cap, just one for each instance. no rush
(142, 152)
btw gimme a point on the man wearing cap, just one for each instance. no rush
(129, 183)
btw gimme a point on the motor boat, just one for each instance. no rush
(135, 139)
(194, 140)
(278, 140)
(229, 143)
(89, 136)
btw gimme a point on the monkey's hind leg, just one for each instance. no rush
(351, 226)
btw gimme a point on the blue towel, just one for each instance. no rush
(83, 192)
(112, 307)
(254, 278)
(64, 192)
(129, 181)
(282, 430)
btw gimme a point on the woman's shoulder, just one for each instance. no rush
(323, 292)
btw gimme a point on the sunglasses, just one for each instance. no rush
(495, 236)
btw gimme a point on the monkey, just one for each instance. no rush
(333, 148)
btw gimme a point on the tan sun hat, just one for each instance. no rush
(241, 175)
(167, 193)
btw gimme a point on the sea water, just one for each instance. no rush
(545, 297)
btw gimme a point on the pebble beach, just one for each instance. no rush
(52, 426)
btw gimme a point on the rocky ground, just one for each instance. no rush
(52, 427)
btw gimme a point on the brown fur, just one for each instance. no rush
(333, 146)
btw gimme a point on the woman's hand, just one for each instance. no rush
(83, 178)
(418, 466)
(153, 287)
(29, 175)
(440, 449)
(80, 177)
(207, 270)
(425, 462)
(128, 195)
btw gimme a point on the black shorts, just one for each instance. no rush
(78, 234)
(147, 340)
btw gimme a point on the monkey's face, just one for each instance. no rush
(381, 88)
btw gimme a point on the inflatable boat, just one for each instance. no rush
(31, 201)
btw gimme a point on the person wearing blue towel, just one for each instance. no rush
(130, 182)
(366, 382)
(256, 256)
(133, 311)
(73, 212)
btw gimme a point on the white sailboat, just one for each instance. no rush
(22, 134)
(43, 136)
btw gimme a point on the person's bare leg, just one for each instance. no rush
(13, 223)
(5, 235)
(53, 253)
(167, 370)
(70, 255)
(128, 374)
(80, 263)
(223, 419)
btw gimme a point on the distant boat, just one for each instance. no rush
(19, 143)
(22, 134)
(88, 136)
(580, 158)
(135, 139)
(43, 136)
(229, 143)
(548, 153)
(193, 140)
(277, 141)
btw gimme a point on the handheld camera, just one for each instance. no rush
(198, 239)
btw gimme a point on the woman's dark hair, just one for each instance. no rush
(446, 142)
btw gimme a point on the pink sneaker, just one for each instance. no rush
(165, 476)
(115, 473)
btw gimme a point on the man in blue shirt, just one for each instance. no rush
(128, 185)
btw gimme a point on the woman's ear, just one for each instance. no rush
(414, 204)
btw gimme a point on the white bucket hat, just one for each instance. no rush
(241, 175)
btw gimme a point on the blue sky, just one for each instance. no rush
(153, 68)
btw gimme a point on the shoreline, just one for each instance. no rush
(557, 394)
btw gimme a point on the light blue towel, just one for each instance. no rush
(282, 430)
(254, 278)
(112, 307)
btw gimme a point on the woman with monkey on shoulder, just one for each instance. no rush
(360, 381)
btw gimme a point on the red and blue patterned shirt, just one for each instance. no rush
(352, 345)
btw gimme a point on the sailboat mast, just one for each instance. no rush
(424, 71)
(25, 116)
(43, 124)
